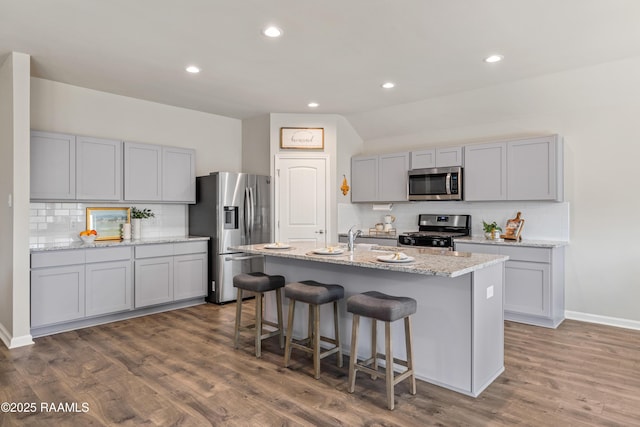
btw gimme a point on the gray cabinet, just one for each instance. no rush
(69, 285)
(485, 172)
(156, 173)
(534, 282)
(364, 179)
(380, 178)
(142, 172)
(108, 281)
(526, 169)
(535, 169)
(437, 157)
(178, 175)
(170, 272)
(53, 166)
(392, 177)
(98, 169)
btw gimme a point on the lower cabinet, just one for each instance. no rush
(534, 282)
(69, 288)
(170, 272)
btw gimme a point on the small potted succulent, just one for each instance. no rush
(137, 216)
(491, 230)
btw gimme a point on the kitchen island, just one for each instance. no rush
(458, 327)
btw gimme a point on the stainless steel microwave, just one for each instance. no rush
(435, 184)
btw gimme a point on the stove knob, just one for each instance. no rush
(434, 242)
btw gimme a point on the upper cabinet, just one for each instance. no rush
(437, 157)
(157, 173)
(381, 178)
(178, 175)
(142, 172)
(98, 169)
(53, 166)
(69, 167)
(526, 169)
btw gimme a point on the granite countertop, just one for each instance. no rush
(112, 243)
(428, 261)
(524, 243)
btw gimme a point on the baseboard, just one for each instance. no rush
(14, 342)
(603, 320)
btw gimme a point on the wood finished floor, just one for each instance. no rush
(180, 369)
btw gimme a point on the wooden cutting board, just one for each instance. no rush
(513, 228)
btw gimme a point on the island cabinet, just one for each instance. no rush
(154, 173)
(534, 282)
(437, 157)
(381, 178)
(74, 284)
(526, 169)
(170, 272)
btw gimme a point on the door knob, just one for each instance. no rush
(319, 232)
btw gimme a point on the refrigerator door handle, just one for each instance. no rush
(252, 207)
(247, 210)
(242, 258)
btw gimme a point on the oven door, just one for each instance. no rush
(435, 184)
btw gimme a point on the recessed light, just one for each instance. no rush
(493, 58)
(192, 69)
(272, 31)
(388, 85)
(313, 104)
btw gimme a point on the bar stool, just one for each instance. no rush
(259, 283)
(315, 294)
(386, 308)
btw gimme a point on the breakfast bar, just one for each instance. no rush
(458, 327)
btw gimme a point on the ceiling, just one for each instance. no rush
(336, 53)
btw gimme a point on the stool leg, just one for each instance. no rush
(259, 324)
(279, 307)
(236, 337)
(389, 360)
(374, 346)
(409, 343)
(316, 340)
(337, 332)
(287, 349)
(353, 359)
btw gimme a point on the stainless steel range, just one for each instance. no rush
(437, 231)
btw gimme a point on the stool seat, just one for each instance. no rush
(312, 292)
(258, 282)
(377, 305)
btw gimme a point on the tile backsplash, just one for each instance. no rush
(62, 222)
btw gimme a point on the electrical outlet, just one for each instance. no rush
(490, 292)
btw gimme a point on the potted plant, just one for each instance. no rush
(490, 229)
(137, 216)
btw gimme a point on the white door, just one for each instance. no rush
(301, 199)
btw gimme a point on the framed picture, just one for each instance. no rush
(302, 138)
(107, 221)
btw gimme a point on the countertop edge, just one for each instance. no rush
(481, 240)
(368, 263)
(117, 243)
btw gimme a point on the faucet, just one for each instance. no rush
(352, 237)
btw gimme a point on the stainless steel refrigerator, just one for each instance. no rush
(232, 209)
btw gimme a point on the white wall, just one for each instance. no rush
(14, 184)
(256, 145)
(60, 107)
(596, 109)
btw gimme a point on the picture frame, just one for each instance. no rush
(302, 138)
(107, 221)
